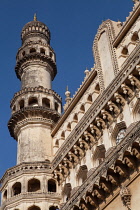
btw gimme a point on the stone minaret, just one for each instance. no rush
(35, 110)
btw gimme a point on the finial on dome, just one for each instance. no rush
(86, 72)
(35, 17)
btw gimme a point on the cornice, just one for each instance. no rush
(36, 113)
(39, 89)
(35, 57)
(128, 24)
(74, 101)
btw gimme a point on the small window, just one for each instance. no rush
(21, 104)
(42, 51)
(51, 54)
(125, 51)
(16, 188)
(75, 118)
(120, 135)
(34, 208)
(33, 101)
(135, 37)
(82, 108)
(51, 185)
(32, 50)
(23, 53)
(5, 195)
(89, 99)
(33, 185)
(46, 102)
(56, 106)
(69, 127)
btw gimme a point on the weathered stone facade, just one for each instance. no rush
(89, 157)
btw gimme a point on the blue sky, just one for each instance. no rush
(73, 25)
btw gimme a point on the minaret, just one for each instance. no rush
(35, 110)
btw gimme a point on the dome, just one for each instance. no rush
(33, 28)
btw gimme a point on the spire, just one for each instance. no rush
(68, 98)
(35, 17)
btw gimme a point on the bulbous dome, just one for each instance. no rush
(35, 28)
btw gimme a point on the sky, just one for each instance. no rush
(73, 25)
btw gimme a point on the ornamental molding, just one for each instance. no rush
(106, 26)
(39, 89)
(110, 163)
(96, 107)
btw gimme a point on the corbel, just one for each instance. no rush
(113, 108)
(119, 99)
(129, 161)
(83, 144)
(121, 170)
(136, 152)
(127, 90)
(106, 115)
(134, 81)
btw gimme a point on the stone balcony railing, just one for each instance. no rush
(31, 195)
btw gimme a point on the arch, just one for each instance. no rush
(42, 51)
(53, 208)
(21, 104)
(16, 189)
(82, 108)
(66, 192)
(75, 118)
(5, 195)
(56, 106)
(23, 53)
(32, 50)
(46, 102)
(124, 51)
(63, 134)
(97, 88)
(14, 108)
(51, 54)
(69, 127)
(82, 174)
(34, 208)
(33, 185)
(33, 101)
(57, 143)
(51, 185)
(89, 98)
(135, 37)
(119, 132)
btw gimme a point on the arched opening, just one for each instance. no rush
(54, 208)
(34, 208)
(69, 127)
(46, 102)
(33, 185)
(42, 51)
(16, 189)
(97, 88)
(51, 185)
(56, 106)
(125, 51)
(82, 174)
(32, 50)
(63, 135)
(5, 195)
(51, 54)
(66, 192)
(75, 118)
(118, 133)
(21, 104)
(33, 101)
(57, 143)
(23, 53)
(14, 108)
(120, 136)
(82, 108)
(89, 99)
(135, 37)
